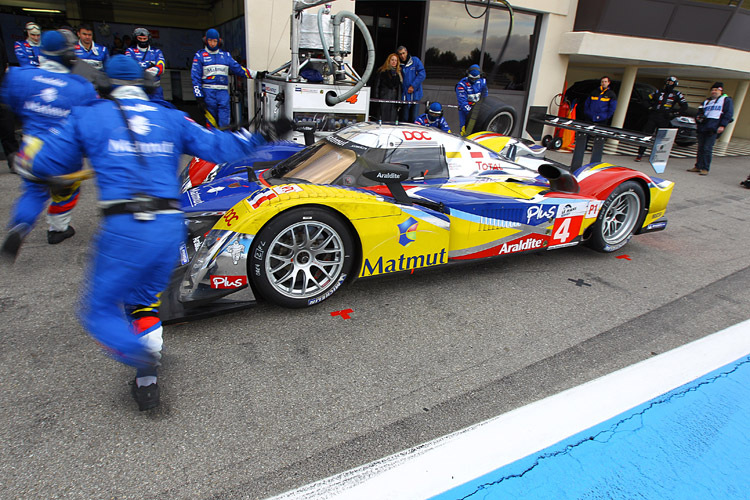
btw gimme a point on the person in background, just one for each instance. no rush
(27, 51)
(663, 106)
(714, 115)
(469, 90)
(388, 82)
(43, 98)
(117, 47)
(7, 120)
(413, 73)
(149, 58)
(433, 118)
(210, 76)
(81, 68)
(600, 105)
(134, 146)
(89, 51)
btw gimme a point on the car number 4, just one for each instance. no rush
(566, 229)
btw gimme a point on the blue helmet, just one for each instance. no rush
(123, 70)
(434, 112)
(474, 72)
(57, 46)
(212, 34)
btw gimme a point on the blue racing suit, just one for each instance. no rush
(136, 248)
(152, 61)
(424, 119)
(467, 94)
(27, 54)
(414, 74)
(210, 76)
(43, 97)
(96, 57)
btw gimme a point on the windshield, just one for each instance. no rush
(321, 163)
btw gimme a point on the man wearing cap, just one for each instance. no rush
(43, 97)
(27, 51)
(134, 146)
(413, 73)
(433, 118)
(149, 58)
(714, 115)
(89, 51)
(469, 90)
(663, 106)
(210, 76)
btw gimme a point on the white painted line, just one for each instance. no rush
(457, 458)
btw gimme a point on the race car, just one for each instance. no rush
(372, 200)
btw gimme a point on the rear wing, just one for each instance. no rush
(661, 141)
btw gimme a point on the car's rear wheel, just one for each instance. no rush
(492, 114)
(301, 257)
(618, 218)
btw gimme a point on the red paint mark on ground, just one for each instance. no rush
(344, 313)
(626, 257)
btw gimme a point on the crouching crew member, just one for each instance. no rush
(134, 146)
(433, 118)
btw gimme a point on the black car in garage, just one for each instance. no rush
(637, 114)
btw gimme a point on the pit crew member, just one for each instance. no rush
(663, 106)
(88, 50)
(469, 90)
(433, 117)
(149, 58)
(136, 158)
(43, 97)
(27, 51)
(210, 76)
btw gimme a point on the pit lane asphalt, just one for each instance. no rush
(265, 400)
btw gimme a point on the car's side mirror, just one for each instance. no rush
(392, 175)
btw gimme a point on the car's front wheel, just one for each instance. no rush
(618, 218)
(301, 257)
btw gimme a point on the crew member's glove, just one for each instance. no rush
(260, 75)
(274, 131)
(201, 104)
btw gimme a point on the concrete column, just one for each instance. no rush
(738, 99)
(623, 98)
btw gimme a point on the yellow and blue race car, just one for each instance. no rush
(373, 199)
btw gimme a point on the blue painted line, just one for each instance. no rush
(693, 442)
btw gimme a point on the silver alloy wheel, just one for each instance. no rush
(501, 123)
(305, 259)
(621, 217)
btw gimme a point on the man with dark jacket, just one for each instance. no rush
(600, 105)
(662, 108)
(714, 115)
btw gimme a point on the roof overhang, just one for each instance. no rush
(655, 56)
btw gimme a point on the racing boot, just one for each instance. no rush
(12, 242)
(55, 237)
(147, 396)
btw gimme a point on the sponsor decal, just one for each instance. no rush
(197, 241)
(230, 216)
(138, 108)
(140, 125)
(403, 263)
(183, 254)
(571, 209)
(407, 232)
(290, 188)
(416, 135)
(656, 225)
(656, 215)
(215, 189)
(235, 250)
(261, 197)
(540, 213)
(223, 282)
(488, 166)
(121, 146)
(565, 230)
(352, 99)
(476, 154)
(50, 81)
(195, 197)
(592, 211)
(46, 109)
(335, 140)
(388, 175)
(48, 94)
(528, 242)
